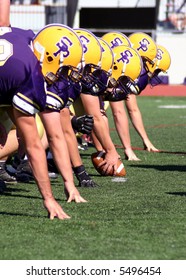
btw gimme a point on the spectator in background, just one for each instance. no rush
(177, 16)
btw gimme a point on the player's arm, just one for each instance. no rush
(59, 148)
(4, 12)
(101, 130)
(27, 130)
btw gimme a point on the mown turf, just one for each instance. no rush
(142, 218)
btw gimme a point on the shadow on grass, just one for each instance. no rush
(180, 168)
(22, 215)
(13, 189)
(174, 153)
(6, 193)
(160, 151)
(177, 193)
(85, 155)
(28, 197)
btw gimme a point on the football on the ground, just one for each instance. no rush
(98, 157)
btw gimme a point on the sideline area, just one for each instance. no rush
(165, 90)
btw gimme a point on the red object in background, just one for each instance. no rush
(164, 90)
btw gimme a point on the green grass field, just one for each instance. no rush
(142, 218)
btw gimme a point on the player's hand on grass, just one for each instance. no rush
(148, 146)
(54, 209)
(74, 195)
(76, 198)
(130, 155)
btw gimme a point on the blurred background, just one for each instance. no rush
(164, 20)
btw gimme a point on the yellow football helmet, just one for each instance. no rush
(145, 46)
(107, 58)
(91, 46)
(116, 38)
(94, 78)
(162, 62)
(127, 62)
(126, 69)
(57, 45)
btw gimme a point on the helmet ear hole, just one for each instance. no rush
(115, 67)
(50, 59)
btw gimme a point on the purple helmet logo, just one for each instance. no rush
(159, 54)
(84, 41)
(143, 45)
(125, 56)
(63, 46)
(116, 42)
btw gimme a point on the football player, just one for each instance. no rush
(91, 87)
(124, 72)
(22, 88)
(97, 82)
(61, 59)
(148, 51)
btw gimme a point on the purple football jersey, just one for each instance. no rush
(143, 80)
(62, 94)
(21, 81)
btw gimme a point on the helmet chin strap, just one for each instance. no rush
(149, 74)
(99, 63)
(124, 68)
(158, 62)
(61, 59)
(41, 50)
